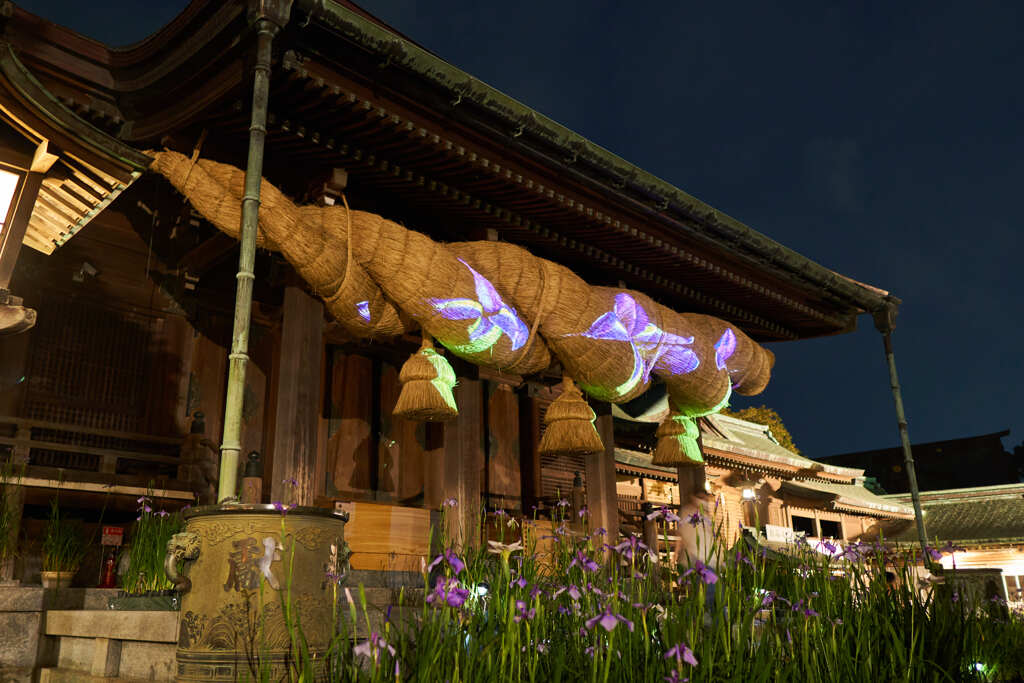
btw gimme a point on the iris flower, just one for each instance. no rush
(608, 621)
(682, 653)
(451, 558)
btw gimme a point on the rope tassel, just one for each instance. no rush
(570, 424)
(427, 382)
(677, 441)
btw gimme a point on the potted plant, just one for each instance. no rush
(9, 522)
(144, 583)
(63, 549)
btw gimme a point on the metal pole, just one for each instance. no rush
(884, 319)
(231, 443)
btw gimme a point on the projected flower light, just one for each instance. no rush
(490, 315)
(652, 346)
(724, 348)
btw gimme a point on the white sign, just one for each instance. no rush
(779, 534)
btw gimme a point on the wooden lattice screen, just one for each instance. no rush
(89, 366)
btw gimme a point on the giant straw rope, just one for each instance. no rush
(491, 303)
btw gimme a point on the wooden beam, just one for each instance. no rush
(298, 400)
(14, 231)
(602, 498)
(207, 254)
(464, 463)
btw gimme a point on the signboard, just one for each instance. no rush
(112, 535)
(779, 534)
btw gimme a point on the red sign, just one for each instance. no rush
(112, 535)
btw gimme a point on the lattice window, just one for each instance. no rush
(89, 366)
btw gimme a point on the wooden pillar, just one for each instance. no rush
(529, 453)
(13, 370)
(504, 486)
(298, 400)
(602, 498)
(350, 449)
(464, 463)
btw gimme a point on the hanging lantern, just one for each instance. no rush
(427, 382)
(570, 424)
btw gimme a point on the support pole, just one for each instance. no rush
(884, 319)
(231, 443)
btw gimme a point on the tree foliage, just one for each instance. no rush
(763, 415)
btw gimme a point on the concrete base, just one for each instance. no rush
(114, 644)
(23, 647)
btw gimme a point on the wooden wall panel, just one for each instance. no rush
(602, 500)
(208, 384)
(350, 446)
(504, 487)
(402, 445)
(298, 399)
(13, 368)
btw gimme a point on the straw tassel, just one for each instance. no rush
(427, 382)
(570, 424)
(677, 441)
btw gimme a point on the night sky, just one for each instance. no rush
(882, 140)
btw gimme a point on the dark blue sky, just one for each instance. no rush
(882, 140)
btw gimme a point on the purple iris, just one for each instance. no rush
(492, 315)
(451, 558)
(629, 547)
(664, 512)
(608, 621)
(652, 346)
(574, 592)
(585, 563)
(363, 309)
(706, 574)
(447, 591)
(282, 508)
(523, 613)
(682, 653)
(697, 519)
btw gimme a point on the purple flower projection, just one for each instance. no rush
(725, 347)
(652, 346)
(490, 317)
(363, 309)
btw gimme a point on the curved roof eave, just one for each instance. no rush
(527, 123)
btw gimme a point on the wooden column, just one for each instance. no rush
(464, 462)
(298, 399)
(529, 454)
(602, 499)
(350, 449)
(504, 488)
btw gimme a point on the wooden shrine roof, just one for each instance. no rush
(984, 515)
(350, 92)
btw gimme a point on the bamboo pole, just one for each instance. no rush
(884, 323)
(231, 444)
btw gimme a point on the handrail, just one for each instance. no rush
(92, 431)
(89, 450)
(23, 443)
